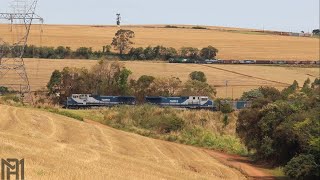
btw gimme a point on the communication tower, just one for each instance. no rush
(118, 19)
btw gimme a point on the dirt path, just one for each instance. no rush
(241, 163)
(57, 147)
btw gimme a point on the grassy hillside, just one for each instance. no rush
(212, 130)
(57, 147)
(232, 43)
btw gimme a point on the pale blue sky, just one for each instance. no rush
(287, 15)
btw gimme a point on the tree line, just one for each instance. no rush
(135, 53)
(113, 78)
(122, 49)
(283, 127)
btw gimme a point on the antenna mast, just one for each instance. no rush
(118, 19)
(11, 54)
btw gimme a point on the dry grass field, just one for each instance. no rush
(56, 147)
(240, 77)
(240, 44)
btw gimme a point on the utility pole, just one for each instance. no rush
(226, 88)
(118, 19)
(11, 55)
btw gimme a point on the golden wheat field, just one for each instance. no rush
(63, 148)
(240, 78)
(238, 44)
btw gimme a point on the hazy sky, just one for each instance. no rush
(288, 15)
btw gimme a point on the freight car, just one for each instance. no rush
(189, 102)
(236, 105)
(263, 62)
(76, 101)
(247, 62)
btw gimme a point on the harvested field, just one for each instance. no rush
(232, 43)
(63, 148)
(240, 77)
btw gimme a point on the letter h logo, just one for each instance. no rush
(12, 167)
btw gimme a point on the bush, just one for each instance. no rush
(203, 138)
(170, 26)
(3, 90)
(225, 120)
(303, 167)
(198, 128)
(284, 128)
(11, 97)
(170, 124)
(199, 27)
(226, 108)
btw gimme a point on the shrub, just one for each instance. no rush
(199, 27)
(3, 90)
(303, 167)
(171, 26)
(170, 124)
(11, 97)
(226, 108)
(225, 120)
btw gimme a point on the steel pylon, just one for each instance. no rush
(11, 53)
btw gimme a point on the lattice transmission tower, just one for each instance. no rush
(13, 72)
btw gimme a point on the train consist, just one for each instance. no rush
(215, 61)
(189, 102)
(77, 101)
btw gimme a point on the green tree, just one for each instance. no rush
(166, 86)
(83, 52)
(303, 166)
(198, 76)
(189, 52)
(198, 88)
(55, 81)
(291, 89)
(209, 52)
(285, 130)
(123, 81)
(123, 40)
(252, 94)
(142, 87)
(3, 90)
(316, 32)
(106, 49)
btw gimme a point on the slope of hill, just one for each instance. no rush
(232, 43)
(240, 78)
(56, 147)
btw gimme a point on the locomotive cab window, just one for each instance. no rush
(204, 99)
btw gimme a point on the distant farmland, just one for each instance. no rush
(239, 78)
(232, 43)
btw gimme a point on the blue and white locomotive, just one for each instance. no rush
(88, 100)
(189, 102)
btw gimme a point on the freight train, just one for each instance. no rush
(78, 101)
(189, 102)
(215, 61)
